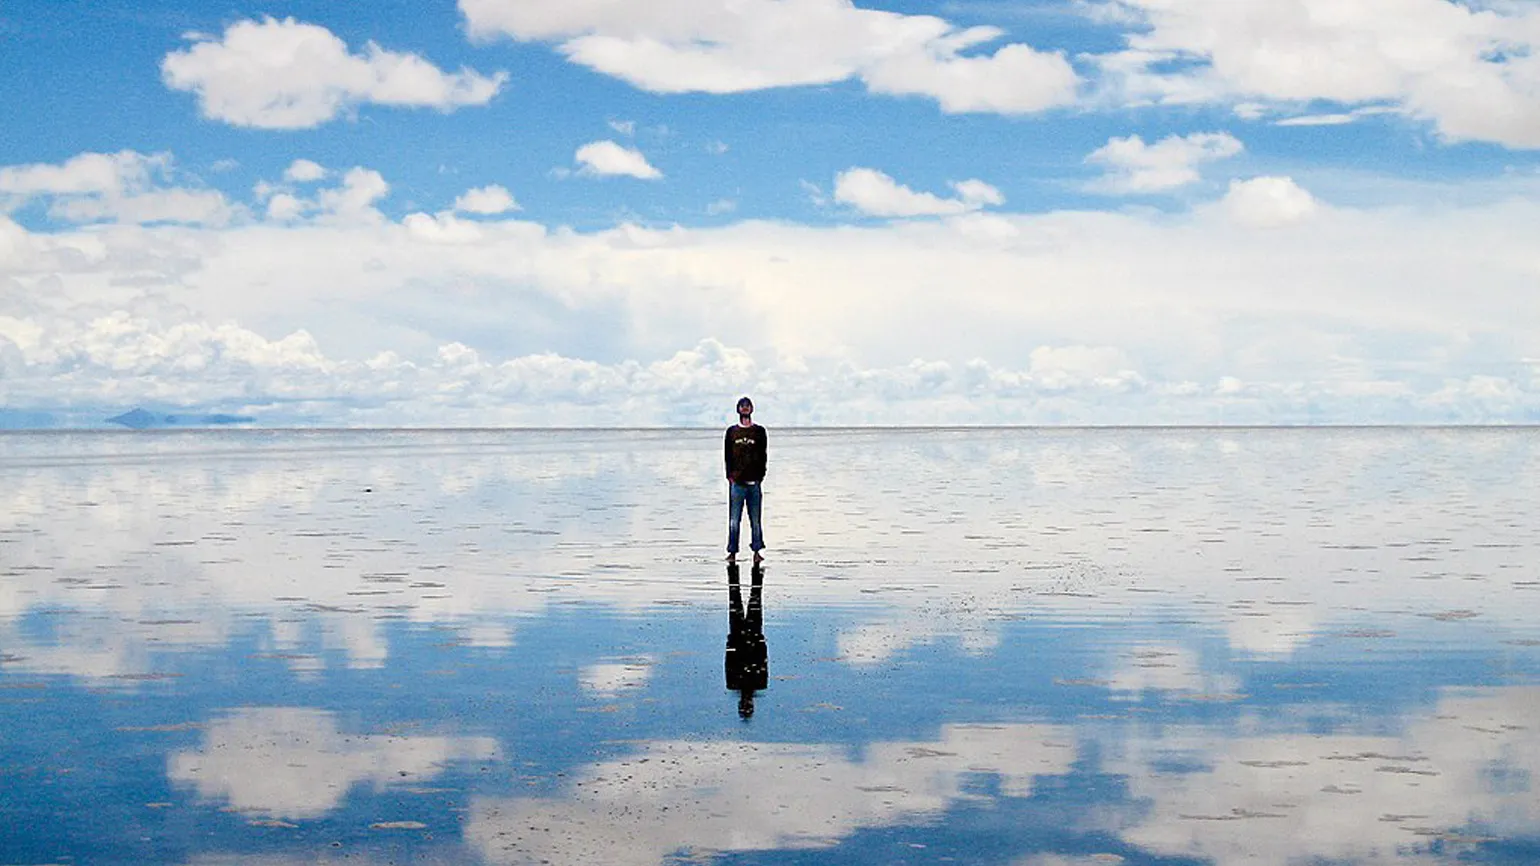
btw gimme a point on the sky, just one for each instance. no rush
(618, 213)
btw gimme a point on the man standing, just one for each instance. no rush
(744, 451)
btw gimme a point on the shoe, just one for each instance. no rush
(732, 557)
(758, 558)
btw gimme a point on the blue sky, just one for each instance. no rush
(1077, 211)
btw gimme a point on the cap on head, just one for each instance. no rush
(745, 406)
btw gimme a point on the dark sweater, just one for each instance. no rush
(744, 452)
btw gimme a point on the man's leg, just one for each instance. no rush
(735, 497)
(755, 502)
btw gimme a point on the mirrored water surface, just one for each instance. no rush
(1025, 647)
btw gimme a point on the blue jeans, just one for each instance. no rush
(739, 495)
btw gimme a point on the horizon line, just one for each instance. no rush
(245, 428)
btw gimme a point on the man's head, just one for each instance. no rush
(745, 407)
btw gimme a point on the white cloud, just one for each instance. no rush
(284, 207)
(127, 187)
(304, 171)
(203, 206)
(442, 228)
(1473, 70)
(1269, 202)
(351, 200)
(1338, 118)
(354, 200)
(876, 194)
(86, 174)
(997, 317)
(285, 74)
(1136, 167)
(624, 127)
(1317, 120)
(673, 46)
(1068, 367)
(1016, 79)
(606, 158)
(486, 200)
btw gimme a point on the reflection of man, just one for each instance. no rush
(747, 661)
(743, 450)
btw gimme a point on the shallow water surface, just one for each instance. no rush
(976, 646)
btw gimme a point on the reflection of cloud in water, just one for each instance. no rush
(608, 679)
(1166, 668)
(1069, 860)
(489, 635)
(295, 763)
(360, 638)
(1279, 533)
(350, 859)
(1277, 632)
(279, 860)
(1289, 798)
(878, 642)
(725, 796)
(83, 645)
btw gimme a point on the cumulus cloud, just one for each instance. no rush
(486, 200)
(673, 46)
(355, 198)
(876, 194)
(979, 317)
(1062, 367)
(127, 186)
(86, 174)
(1135, 167)
(152, 206)
(606, 158)
(286, 74)
(285, 207)
(1016, 79)
(1268, 202)
(1473, 70)
(442, 228)
(304, 171)
(352, 199)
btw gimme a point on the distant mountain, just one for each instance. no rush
(22, 419)
(139, 419)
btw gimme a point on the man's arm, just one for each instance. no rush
(727, 453)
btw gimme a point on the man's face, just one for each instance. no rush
(745, 410)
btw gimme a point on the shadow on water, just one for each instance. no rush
(747, 659)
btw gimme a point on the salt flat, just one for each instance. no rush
(993, 646)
